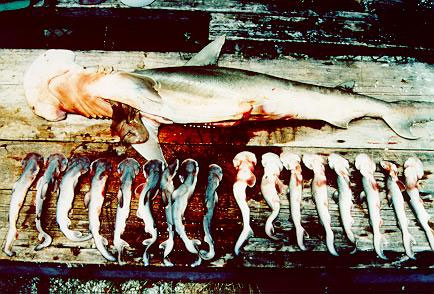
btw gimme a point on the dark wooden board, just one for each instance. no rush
(255, 28)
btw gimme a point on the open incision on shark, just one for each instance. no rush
(198, 93)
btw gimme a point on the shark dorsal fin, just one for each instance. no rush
(209, 55)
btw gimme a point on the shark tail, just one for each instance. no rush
(211, 253)
(349, 233)
(269, 228)
(100, 243)
(120, 245)
(300, 232)
(402, 115)
(408, 241)
(429, 235)
(167, 245)
(246, 233)
(379, 242)
(47, 241)
(330, 238)
(75, 236)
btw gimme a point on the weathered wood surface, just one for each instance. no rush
(22, 132)
(318, 28)
(259, 7)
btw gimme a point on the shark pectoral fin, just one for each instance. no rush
(209, 55)
(146, 85)
(151, 148)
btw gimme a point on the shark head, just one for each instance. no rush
(45, 67)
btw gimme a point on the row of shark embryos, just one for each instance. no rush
(273, 164)
(160, 177)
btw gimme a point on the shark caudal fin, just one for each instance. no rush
(330, 242)
(379, 242)
(300, 233)
(402, 115)
(246, 233)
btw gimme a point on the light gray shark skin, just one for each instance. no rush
(188, 172)
(152, 171)
(215, 175)
(225, 96)
(56, 163)
(77, 166)
(94, 199)
(31, 164)
(413, 171)
(128, 169)
(167, 187)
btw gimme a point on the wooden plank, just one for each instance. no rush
(386, 81)
(299, 28)
(230, 6)
(260, 7)
(322, 28)
(227, 220)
